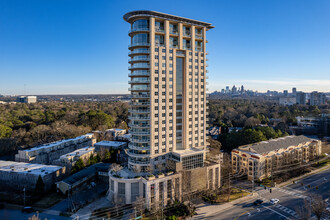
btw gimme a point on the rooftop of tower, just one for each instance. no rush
(145, 13)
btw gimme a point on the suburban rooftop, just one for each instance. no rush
(275, 144)
(27, 168)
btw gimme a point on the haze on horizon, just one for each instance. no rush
(80, 47)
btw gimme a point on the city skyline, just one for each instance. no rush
(64, 47)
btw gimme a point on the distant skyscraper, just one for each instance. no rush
(242, 89)
(317, 98)
(301, 98)
(285, 92)
(234, 89)
(294, 91)
(227, 89)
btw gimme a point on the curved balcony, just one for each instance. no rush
(142, 88)
(147, 96)
(142, 133)
(139, 73)
(140, 141)
(130, 153)
(139, 29)
(139, 52)
(138, 162)
(132, 146)
(139, 125)
(142, 111)
(139, 59)
(140, 103)
(199, 36)
(137, 118)
(139, 66)
(138, 45)
(139, 81)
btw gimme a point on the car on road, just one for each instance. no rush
(274, 201)
(27, 209)
(258, 202)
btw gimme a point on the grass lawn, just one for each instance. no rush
(235, 194)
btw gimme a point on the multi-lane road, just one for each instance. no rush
(290, 198)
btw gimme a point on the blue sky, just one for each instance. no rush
(80, 46)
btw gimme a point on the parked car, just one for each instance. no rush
(28, 209)
(258, 202)
(274, 201)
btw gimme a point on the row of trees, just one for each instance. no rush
(247, 113)
(32, 124)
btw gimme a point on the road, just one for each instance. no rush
(291, 197)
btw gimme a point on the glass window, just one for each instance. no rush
(142, 24)
(159, 40)
(174, 42)
(140, 39)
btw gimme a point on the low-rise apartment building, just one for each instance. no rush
(19, 175)
(259, 160)
(69, 159)
(48, 153)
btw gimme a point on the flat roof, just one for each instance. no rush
(143, 13)
(110, 143)
(52, 144)
(189, 151)
(78, 152)
(27, 168)
(86, 172)
(275, 144)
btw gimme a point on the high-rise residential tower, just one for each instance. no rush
(168, 109)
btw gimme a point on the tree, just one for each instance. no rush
(318, 206)
(40, 186)
(79, 165)
(115, 168)
(303, 211)
(5, 131)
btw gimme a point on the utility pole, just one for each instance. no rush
(24, 195)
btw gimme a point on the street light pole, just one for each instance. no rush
(24, 195)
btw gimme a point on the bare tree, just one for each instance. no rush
(139, 206)
(115, 168)
(303, 211)
(136, 169)
(226, 171)
(318, 206)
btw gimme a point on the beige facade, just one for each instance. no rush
(168, 110)
(259, 160)
(168, 85)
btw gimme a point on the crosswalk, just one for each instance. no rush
(287, 210)
(291, 192)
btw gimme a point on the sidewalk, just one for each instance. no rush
(303, 176)
(205, 209)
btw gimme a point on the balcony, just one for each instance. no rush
(132, 146)
(137, 59)
(174, 46)
(199, 49)
(139, 125)
(146, 96)
(175, 32)
(159, 30)
(139, 51)
(138, 45)
(139, 81)
(187, 47)
(143, 133)
(140, 103)
(139, 29)
(139, 117)
(139, 141)
(139, 66)
(139, 88)
(186, 34)
(137, 162)
(199, 36)
(142, 155)
(139, 73)
(139, 110)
